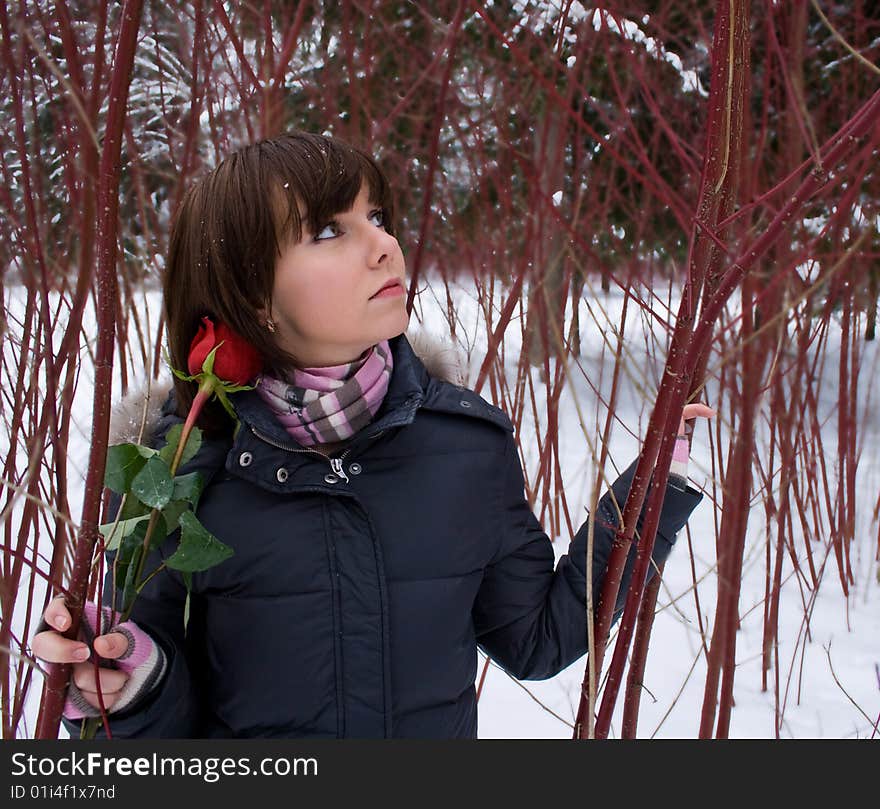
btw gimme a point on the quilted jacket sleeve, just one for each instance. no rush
(530, 618)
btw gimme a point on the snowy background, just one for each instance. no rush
(841, 634)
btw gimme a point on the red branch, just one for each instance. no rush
(55, 688)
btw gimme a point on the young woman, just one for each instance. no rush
(376, 511)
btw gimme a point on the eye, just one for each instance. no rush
(329, 231)
(377, 217)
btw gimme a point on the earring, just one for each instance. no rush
(270, 325)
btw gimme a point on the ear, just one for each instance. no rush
(266, 320)
(264, 314)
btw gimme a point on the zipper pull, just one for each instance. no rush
(336, 466)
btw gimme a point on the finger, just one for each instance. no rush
(54, 648)
(692, 411)
(111, 680)
(111, 645)
(56, 614)
(698, 410)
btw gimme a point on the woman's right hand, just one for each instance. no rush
(53, 647)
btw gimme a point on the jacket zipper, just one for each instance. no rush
(335, 463)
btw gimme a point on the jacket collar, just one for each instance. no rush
(266, 454)
(409, 389)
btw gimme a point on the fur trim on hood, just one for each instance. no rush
(136, 414)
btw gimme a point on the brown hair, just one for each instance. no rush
(228, 232)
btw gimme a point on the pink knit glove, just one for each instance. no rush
(679, 466)
(144, 662)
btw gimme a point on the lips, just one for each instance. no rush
(394, 285)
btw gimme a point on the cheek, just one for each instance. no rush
(292, 299)
(310, 299)
(400, 257)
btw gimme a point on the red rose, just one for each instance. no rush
(236, 361)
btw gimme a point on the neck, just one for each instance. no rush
(325, 356)
(358, 359)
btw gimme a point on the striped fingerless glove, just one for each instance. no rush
(679, 466)
(144, 662)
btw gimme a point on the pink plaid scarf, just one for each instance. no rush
(328, 405)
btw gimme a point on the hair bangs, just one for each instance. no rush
(316, 178)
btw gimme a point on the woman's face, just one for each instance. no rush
(325, 304)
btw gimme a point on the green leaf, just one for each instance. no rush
(153, 485)
(186, 605)
(135, 539)
(199, 549)
(129, 589)
(172, 512)
(132, 542)
(160, 532)
(146, 452)
(124, 462)
(188, 581)
(113, 538)
(173, 439)
(188, 487)
(132, 507)
(127, 549)
(131, 512)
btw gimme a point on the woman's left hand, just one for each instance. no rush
(697, 410)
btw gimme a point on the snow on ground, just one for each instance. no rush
(847, 630)
(812, 704)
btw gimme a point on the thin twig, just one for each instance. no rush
(845, 692)
(867, 63)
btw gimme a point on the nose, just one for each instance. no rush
(381, 246)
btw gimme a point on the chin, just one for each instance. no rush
(395, 328)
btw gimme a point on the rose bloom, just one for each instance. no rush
(236, 360)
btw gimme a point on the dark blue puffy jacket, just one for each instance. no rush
(359, 592)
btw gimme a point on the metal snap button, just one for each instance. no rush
(245, 459)
(330, 478)
(465, 403)
(355, 469)
(281, 475)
